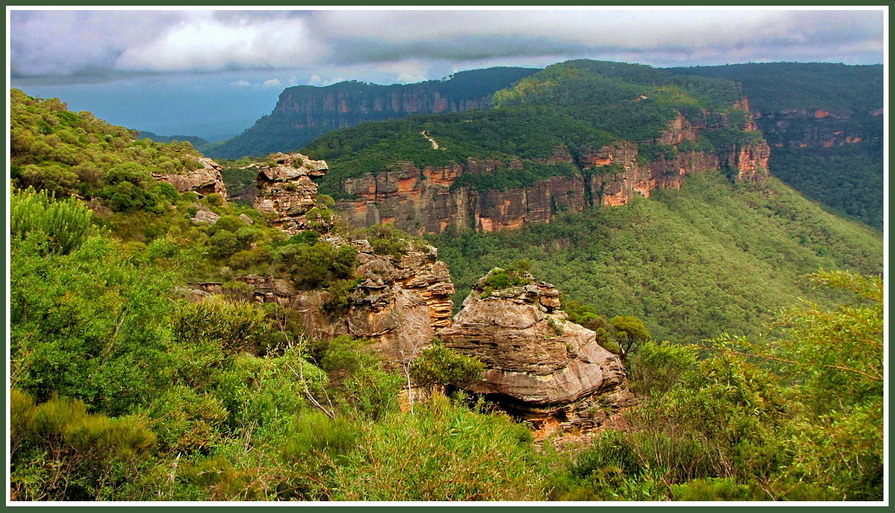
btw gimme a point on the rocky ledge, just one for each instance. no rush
(286, 190)
(205, 180)
(398, 303)
(539, 365)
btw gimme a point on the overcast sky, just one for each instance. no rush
(249, 56)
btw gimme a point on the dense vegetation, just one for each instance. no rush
(125, 386)
(66, 153)
(286, 129)
(694, 263)
(578, 106)
(847, 178)
(631, 101)
(777, 86)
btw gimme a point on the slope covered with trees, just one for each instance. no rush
(825, 125)
(576, 106)
(711, 258)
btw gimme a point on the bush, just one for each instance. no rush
(443, 452)
(438, 365)
(234, 326)
(78, 451)
(315, 433)
(64, 223)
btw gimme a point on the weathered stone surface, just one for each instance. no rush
(285, 189)
(246, 219)
(538, 364)
(205, 180)
(398, 303)
(205, 217)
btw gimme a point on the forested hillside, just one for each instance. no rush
(575, 107)
(825, 125)
(710, 258)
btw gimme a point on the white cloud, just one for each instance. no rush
(211, 44)
(273, 82)
(408, 45)
(241, 83)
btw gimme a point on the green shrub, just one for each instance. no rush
(234, 326)
(64, 223)
(711, 489)
(314, 432)
(443, 452)
(77, 451)
(439, 365)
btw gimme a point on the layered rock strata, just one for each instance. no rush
(399, 302)
(539, 365)
(286, 190)
(432, 199)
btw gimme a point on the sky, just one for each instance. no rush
(213, 72)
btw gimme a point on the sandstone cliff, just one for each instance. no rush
(819, 128)
(538, 364)
(398, 303)
(430, 199)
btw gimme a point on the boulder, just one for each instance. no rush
(538, 363)
(204, 180)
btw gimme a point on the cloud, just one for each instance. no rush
(409, 45)
(273, 82)
(241, 83)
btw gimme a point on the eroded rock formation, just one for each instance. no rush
(538, 364)
(205, 180)
(286, 190)
(399, 302)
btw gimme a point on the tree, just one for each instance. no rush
(630, 332)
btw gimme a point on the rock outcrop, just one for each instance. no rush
(204, 180)
(285, 189)
(819, 128)
(539, 365)
(432, 199)
(398, 303)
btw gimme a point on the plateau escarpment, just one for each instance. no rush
(431, 199)
(304, 112)
(824, 123)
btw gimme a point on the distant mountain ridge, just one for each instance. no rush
(304, 112)
(197, 142)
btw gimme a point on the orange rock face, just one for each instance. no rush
(428, 200)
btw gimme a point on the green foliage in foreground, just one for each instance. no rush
(122, 390)
(710, 258)
(63, 224)
(755, 419)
